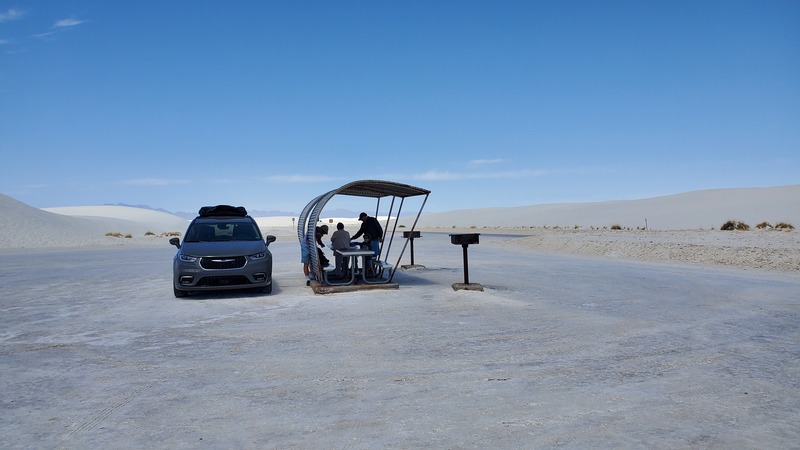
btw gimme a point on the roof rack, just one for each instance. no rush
(222, 210)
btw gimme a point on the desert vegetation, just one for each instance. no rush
(741, 226)
(730, 225)
(734, 225)
(119, 235)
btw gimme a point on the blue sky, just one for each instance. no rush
(267, 104)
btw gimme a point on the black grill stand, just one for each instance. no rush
(411, 235)
(464, 240)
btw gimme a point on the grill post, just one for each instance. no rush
(464, 240)
(411, 235)
(466, 264)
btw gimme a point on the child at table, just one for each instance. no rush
(368, 261)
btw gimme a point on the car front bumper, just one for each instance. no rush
(192, 277)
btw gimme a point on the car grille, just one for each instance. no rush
(222, 262)
(223, 281)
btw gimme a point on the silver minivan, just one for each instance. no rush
(223, 249)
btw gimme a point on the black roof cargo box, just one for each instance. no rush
(222, 210)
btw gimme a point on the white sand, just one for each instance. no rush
(558, 351)
(22, 226)
(763, 250)
(681, 228)
(689, 211)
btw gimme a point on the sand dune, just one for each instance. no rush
(681, 228)
(689, 211)
(131, 219)
(22, 226)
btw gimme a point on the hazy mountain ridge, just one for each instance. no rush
(253, 212)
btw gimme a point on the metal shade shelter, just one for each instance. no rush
(307, 223)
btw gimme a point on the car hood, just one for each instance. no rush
(230, 248)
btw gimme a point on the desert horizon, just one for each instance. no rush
(682, 228)
(703, 209)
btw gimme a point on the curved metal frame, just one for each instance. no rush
(306, 225)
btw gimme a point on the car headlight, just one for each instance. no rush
(187, 258)
(258, 256)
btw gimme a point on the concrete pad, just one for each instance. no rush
(467, 287)
(319, 288)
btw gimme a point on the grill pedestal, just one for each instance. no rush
(464, 240)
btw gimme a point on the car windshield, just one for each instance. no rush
(220, 230)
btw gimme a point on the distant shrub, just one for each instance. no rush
(128, 236)
(616, 227)
(734, 225)
(764, 226)
(171, 234)
(784, 226)
(149, 233)
(114, 234)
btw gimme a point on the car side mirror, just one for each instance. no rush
(175, 241)
(270, 239)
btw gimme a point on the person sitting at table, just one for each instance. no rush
(340, 240)
(367, 244)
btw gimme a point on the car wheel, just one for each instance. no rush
(179, 293)
(267, 289)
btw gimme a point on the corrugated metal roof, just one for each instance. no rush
(378, 188)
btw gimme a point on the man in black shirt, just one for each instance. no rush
(370, 226)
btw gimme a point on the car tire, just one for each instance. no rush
(267, 289)
(179, 293)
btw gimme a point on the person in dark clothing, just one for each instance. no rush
(305, 249)
(321, 231)
(371, 226)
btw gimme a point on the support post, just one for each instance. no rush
(465, 240)
(410, 236)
